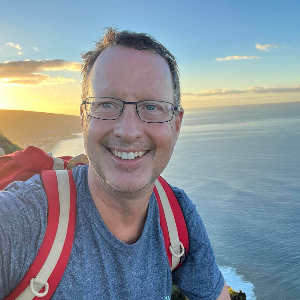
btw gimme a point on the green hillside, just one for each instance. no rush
(7, 145)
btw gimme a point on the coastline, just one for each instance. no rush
(66, 146)
(42, 130)
(48, 144)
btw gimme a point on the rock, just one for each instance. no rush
(177, 294)
(236, 295)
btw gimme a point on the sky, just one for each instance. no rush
(230, 52)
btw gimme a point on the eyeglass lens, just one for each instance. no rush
(111, 109)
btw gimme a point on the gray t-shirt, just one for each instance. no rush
(100, 265)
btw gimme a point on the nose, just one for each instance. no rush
(128, 126)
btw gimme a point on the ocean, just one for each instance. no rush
(240, 166)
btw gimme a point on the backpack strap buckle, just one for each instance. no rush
(39, 282)
(175, 246)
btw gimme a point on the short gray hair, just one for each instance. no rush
(138, 41)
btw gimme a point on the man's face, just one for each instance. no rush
(130, 75)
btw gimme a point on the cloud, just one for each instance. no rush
(265, 47)
(214, 92)
(249, 90)
(13, 45)
(40, 79)
(35, 49)
(264, 90)
(236, 57)
(18, 47)
(28, 72)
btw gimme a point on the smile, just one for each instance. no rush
(127, 155)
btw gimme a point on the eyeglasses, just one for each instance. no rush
(149, 111)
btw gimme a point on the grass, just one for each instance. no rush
(7, 145)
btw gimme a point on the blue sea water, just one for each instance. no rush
(240, 165)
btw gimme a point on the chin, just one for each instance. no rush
(128, 186)
(130, 183)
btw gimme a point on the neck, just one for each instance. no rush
(124, 213)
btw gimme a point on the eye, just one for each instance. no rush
(150, 107)
(108, 105)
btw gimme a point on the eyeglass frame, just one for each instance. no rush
(174, 108)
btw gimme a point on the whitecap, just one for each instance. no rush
(236, 282)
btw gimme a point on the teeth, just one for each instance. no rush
(129, 155)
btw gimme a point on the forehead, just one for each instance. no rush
(125, 72)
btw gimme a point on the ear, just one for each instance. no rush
(81, 115)
(178, 121)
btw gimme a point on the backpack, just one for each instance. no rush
(46, 271)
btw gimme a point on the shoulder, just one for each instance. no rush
(24, 195)
(191, 215)
(183, 199)
(23, 205)
(24, 200)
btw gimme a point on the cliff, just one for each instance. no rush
(38, 129)
(8, 146)
(236, 295)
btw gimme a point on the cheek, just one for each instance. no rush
(165, 138)
(93, 127)
(90, 132)
(173, 134)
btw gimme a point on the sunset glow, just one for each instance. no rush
(224, 56)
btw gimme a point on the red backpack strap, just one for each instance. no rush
(48, 267)
(172, 224)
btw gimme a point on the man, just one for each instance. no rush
(131, 118)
